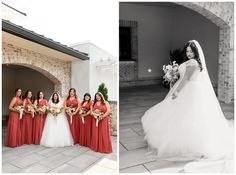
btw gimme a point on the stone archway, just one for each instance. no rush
(221, 14)
(58, 71)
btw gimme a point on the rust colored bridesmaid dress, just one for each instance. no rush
(13, 138)
(86, 128)
(38, 123)
(101, 135)
(74, 126)
(27, 125)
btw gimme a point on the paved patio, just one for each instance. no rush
(40, 159)
(133, 148)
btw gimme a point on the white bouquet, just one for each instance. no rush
(98, 115)
(70, 110)
(171, 73)
(83, 112)
(20, 109)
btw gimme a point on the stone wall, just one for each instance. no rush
(127, 70)
(113, 118)
(57, 70)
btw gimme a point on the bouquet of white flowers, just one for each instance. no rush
(171, 73)
(98, 115)
(30, 109)
(54, 110)
(83, 112)
(70, 110)
(20, 109)
(41, 110)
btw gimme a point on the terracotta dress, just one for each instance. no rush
(13, 138)
(38, 123)
(86, 127)
(74, 126)
(27, 125)
(101, 135)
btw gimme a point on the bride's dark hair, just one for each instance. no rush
(57, 101)
(195, 51)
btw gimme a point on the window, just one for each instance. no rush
(125, 44)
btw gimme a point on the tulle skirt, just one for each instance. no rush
(56, 132)
(191, 125)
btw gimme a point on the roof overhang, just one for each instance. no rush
(20, 36)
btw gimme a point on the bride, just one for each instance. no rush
(189, 122)
(56, 131)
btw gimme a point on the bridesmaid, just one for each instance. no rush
(73, 101)
(27, 120)
(85, 128)
(13, 138)
(101, 138)
(40, 116)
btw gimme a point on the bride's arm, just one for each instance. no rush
(191, 66)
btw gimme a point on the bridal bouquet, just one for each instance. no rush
(171, 73)
(83, 112)
(30, 109)
(20, 109)
(41, 110)
(70, 110)
(54, 110)
(98, 115)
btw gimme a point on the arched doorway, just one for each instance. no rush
(18, 76)
(157, 32)
(221, 14)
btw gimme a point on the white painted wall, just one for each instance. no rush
(27, 79)
(161, 29)
(80, 77)
(97, 75)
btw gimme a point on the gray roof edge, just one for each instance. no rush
(20, 31)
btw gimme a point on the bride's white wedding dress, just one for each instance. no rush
(192, 125)
(56, 131)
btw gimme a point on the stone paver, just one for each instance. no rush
(40, 159)
(35, 168)
(135, 169)
(133, 148)
(83, 161)
(8, 168)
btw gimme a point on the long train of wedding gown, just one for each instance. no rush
(193, 124)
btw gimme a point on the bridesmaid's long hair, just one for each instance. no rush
(86, 94)
(102, 98)
(38, 93)
(195, 51)
(26, 95)
(57, 101)
(16, 92)
(69, 93)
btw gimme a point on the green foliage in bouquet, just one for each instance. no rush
(102, 88)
